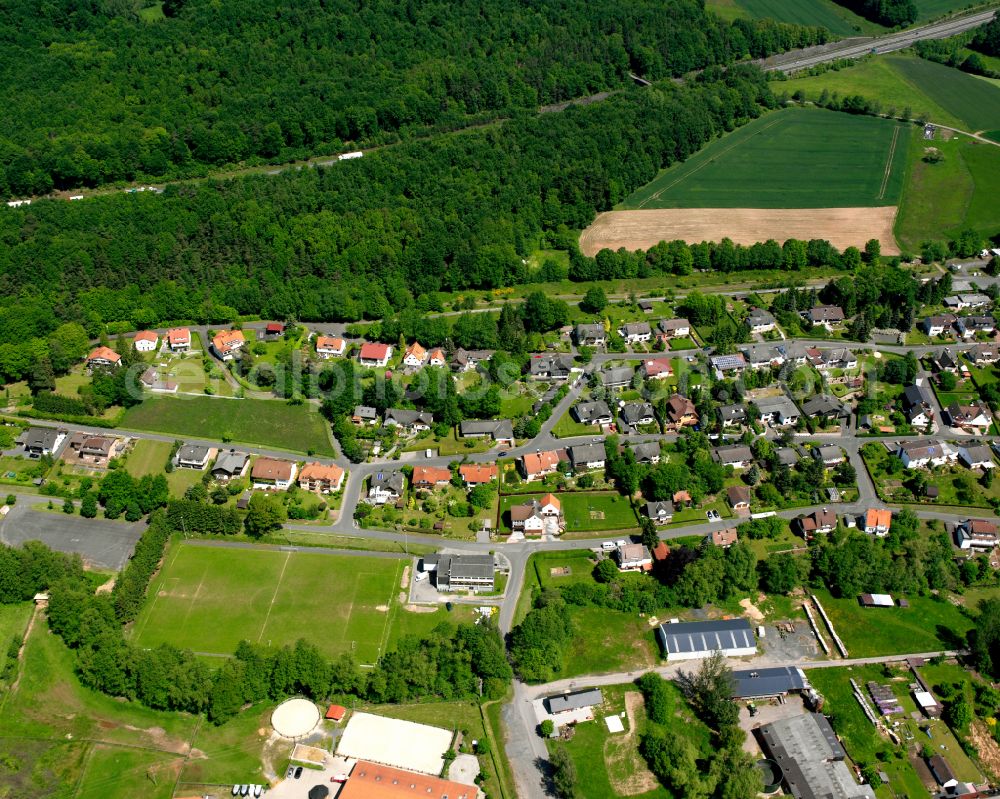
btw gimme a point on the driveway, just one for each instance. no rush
(102, 544)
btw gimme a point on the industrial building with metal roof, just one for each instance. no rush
(699, 639)
(811, 758)
(759, 683)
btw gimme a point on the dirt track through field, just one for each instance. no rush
(640, 230)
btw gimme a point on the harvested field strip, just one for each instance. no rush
(640, 230)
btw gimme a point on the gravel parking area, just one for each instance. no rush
(102, 544)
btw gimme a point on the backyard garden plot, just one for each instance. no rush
(794, 158)
(208, 600)
(585, 511)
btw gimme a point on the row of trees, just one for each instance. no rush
(286, 81)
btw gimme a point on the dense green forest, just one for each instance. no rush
(94, 92)
(359, 239)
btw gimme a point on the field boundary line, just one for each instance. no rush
(888, 163)
(393, 609)
(656, 195)
(274, 596)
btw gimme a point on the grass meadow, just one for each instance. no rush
(927, 625)
(267, 423)
(794, 158)
(942, 198)
(209, 599)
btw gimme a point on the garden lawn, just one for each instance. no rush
(268, 423)
(148, 457)
(13, 622)
(927, 625)
(569, 427)
(232, 751)
(208, 600)
(793, 158)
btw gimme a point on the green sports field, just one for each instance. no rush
(268, 423)
(209, 599)
(794, 158)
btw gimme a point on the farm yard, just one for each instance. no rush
(794, 158)
(268, 423)
(208, 600)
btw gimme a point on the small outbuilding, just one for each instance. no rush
(336, 713)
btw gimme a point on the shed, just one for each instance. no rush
(336, 712)
(876, 601)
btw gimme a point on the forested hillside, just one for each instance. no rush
(360, 238)
(94, 93)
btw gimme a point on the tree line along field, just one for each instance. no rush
(208, 600)
(793, 158)
(268, 423)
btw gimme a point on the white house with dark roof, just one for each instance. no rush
(925, 453)
(635, 332)
(596, 412)
(761, 321)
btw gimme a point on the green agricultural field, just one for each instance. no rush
(876, 79)
(927, 625)
(208, 600)
(820, 13)
(268, 423)
(942, 198)
(975, 102)
(794, 158)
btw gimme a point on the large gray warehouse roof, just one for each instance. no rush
(811, 758)
(768, 682)
(707, 636)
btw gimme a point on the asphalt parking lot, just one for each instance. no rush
(102, 544)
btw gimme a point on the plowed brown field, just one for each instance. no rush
(640, 230)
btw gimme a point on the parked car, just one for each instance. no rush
(258, 790)
(608, 546)
(236, 788)
(298, 772)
